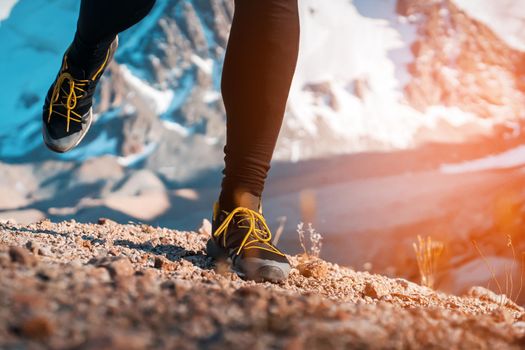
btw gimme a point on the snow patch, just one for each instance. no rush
(508, 159)
(174, 126)
(160, 99)
(206, 65)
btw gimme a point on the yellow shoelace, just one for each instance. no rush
(255, 233)
(71, 97)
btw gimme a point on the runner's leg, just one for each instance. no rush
(98, 24)
(258, 69)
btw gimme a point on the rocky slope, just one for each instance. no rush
(110, 286)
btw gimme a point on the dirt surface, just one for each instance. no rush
(111, 286)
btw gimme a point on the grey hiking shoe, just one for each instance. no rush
(68, 111)
(243, 237)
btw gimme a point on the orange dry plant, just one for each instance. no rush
(427, 254)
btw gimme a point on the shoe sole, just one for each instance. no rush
(265, 273)
(216, 252)
(84, 133)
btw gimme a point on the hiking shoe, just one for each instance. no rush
(68, 111)
(243, 237)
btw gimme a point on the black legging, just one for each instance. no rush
(258, 69)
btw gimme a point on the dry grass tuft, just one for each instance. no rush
(312, 250)
(310, 265)
(427, 254)
(506, 292)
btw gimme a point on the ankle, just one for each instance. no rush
(88, 56)
(239, 198)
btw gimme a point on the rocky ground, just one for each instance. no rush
(111, 286)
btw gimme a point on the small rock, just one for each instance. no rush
(375, 290)
(33, 247)
(86, 244)
(45, 224)
(103, 221)
(168, 285)
(162, 263)
(38, 328)
(113, 251)
(22, 256)
(121, 268)
(47, 274)
(148, 229)
(101, 251)
(45, 251)
(403, 282)
(315, 268)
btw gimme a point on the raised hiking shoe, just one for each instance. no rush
(68, 111)
(243, 237)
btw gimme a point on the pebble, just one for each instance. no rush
(164, 264)
(37, 328)
(102, 221)
(45, 251)
(315, 268)
(121, 267)
(22, 256)
(47, 274)
(375, 290)
(33, 247)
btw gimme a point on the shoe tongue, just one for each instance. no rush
(246, 221)
(75, 71)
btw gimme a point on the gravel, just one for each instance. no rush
(110, 286)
